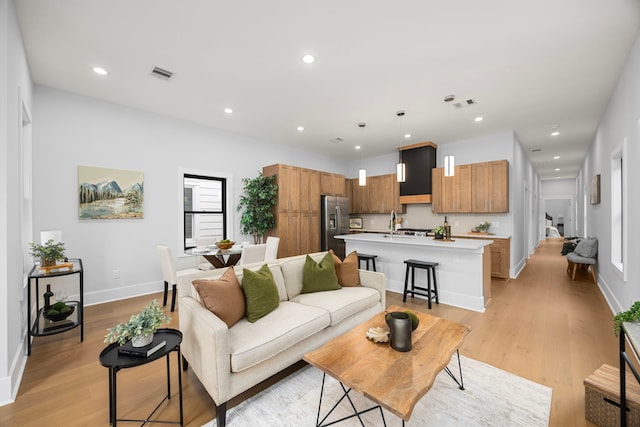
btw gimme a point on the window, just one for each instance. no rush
(619, 209)
(205, 209)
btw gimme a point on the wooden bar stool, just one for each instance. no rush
(367, 258)
(412, 264)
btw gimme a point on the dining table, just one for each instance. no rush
(219, 258)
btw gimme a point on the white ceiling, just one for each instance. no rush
(530, 66)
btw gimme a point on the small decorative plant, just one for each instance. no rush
(439, 230)
(631, 315)
(48, 253)
(482, 228)
(144, 323)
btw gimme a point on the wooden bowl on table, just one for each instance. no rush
(225, 245)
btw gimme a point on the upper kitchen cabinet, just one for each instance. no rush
(419, 159)
(452, 193)
(474, 188)
(490, 181)
(380, 195)
(332, 184)
(309, 191)
(288, 186)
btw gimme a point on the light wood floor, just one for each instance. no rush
(541, 326)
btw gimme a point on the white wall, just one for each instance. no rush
(620, 122)
(72, 130)
(15, 90)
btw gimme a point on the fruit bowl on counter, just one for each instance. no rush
(225, 244)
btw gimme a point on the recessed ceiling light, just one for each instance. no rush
(228, 110)
(555, 133)
(300, 128)
(557, 177)
(478, 119)
(557, 169)
(407, 135)
(308, 59)
(358, 147)
(556, 157)
(100, 70)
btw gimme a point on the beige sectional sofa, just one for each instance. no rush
(229, 361)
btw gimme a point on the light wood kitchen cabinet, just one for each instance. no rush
(332, 184)
(309, 191)
(451, 193)
(381, 195)
(490, 186)
(500, 255)
(298, 210)
(288, 186)
(474, 188)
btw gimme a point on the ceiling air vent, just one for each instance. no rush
(466, 103)
(161, 73)
(336, 140)
(536, 150)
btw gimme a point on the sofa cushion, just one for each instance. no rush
(260, 292)
(587, 248)
(341, 303)
(290, 323)
(347, 270)
(223, 297)
(292, 271)
(276, 272)
(319, 276)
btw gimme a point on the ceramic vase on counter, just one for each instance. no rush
(400, 327)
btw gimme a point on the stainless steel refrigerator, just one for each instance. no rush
(334, 221)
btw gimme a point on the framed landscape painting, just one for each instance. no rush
(105, 193)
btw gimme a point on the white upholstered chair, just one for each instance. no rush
(252, 253)
(170, 274)
(271, 252)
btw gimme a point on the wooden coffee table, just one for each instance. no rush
(392, 379)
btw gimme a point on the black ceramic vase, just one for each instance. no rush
(400, 327)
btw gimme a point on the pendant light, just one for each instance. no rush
(362, 173)
(400, 167)
(449, 165)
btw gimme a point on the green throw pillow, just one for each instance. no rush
(318, 277)
(260, 292)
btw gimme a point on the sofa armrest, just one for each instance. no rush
(377, 281)
(205, 345)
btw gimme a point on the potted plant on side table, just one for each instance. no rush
(48, 253)
(631, 315)
(140, 327)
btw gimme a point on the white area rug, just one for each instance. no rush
(492, 397)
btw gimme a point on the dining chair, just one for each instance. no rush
(271, 252)
(170, 275)
(252, 253)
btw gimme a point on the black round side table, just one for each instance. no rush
(111, 358)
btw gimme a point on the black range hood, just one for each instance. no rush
(418, 159)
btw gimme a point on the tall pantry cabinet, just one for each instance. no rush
(298, 209)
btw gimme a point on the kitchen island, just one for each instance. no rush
(463, 273)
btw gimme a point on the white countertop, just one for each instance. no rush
(462, 243)
(454, 234)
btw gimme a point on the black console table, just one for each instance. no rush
(631, 331)
(41, 326)
(111, 358)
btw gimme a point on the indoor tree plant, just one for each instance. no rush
(259, 197)
(140, 327)
(48, 253)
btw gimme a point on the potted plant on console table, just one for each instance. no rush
(140, 327)
(48, 253)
